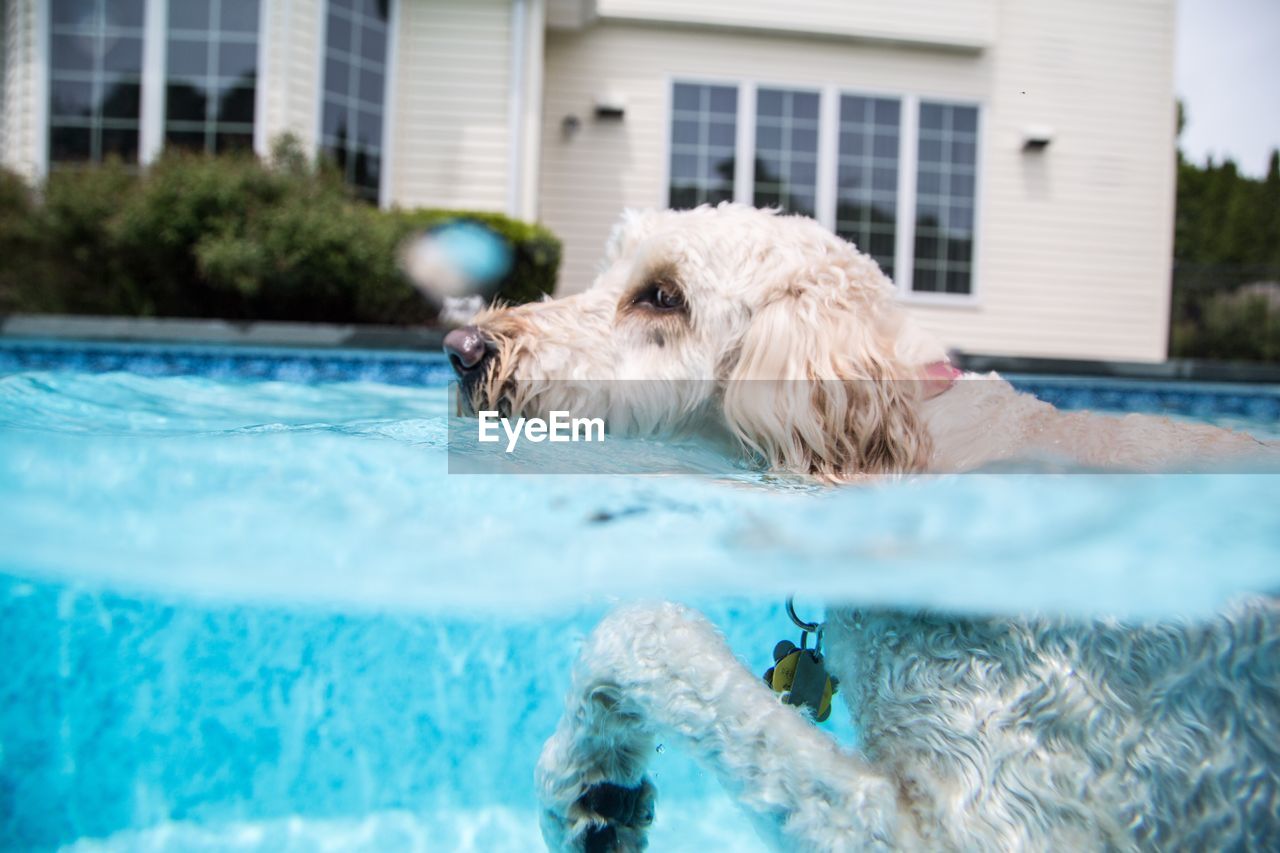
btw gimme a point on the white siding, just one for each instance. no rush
(1075, 242)
(450, 142)
(1078, 240)
(21, 138)
(291, 74)
(957, 23)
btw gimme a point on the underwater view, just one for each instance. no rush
(244, 604)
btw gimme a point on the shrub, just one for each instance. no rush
(229, 237)
(19, 239)
(1239, 325)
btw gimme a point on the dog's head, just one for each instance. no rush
(768, 325)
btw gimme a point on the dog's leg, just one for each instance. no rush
(665, 669)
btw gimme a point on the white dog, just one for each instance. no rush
(976, 734)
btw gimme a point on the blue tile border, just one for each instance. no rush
(305, 366)
(1256, 403)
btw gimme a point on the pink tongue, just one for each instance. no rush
(938, 377)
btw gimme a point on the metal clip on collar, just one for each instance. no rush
(806, 628)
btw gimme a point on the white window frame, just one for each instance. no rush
(151, 118)
(155, 81)
(388, 93)
(42, 80)
(928, 297)
(808, 89)
(745, 140)
(825, 202)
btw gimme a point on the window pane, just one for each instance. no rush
(185, 102)
(239, 16)
(124, 13)
(73, 53)
(724, 102)
(373, 44)
(337, 76)
(867, 176)
(69, 144)
(237, 105)
(355, 86)
(193, 140)
(71, 98)
(94, 80)
(769, 103)
(370, 129)
(946, 198)
(804, 105)
(190, 14)
(371, 86)
(238, 60)
(702, 144)
(120, 143)
(684, 132)
(375, 10)
(121, 100)
(885, 146)
(366, 171)
(211, 74)
(123, 54)
(338, 33)
(73, 13)
(335, 120)
(786, 162)
(722, 134)
(187, 58)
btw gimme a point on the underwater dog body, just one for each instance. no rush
(975, 733)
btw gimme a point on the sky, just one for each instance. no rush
(1228, 76)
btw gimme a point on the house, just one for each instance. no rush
(1009, 162)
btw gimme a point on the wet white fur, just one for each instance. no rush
(794, 347)
(977, 734)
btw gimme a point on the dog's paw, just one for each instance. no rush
(606, 818)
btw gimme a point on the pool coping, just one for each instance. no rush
(106, 329)
(419, 339)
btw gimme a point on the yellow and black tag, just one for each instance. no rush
(799, 676)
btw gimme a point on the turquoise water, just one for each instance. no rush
(246, 613)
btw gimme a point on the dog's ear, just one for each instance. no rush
(818, 387)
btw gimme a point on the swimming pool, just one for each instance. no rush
(243, 605)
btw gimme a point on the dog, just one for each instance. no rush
(1031, 733)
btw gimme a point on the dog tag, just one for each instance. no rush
(800, 678)
(809, 687)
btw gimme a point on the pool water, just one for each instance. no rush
(244, 605)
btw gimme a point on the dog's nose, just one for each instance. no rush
(467, 349)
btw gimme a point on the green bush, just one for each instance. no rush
(1238, 326)
(230, 237)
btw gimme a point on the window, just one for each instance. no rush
(945, 195)
(355, 75)
(867, 176)
(786, 164)
(211, 74)
(95, 80)
(845, 159)
(704, 132)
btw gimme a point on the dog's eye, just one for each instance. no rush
(661, 295)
